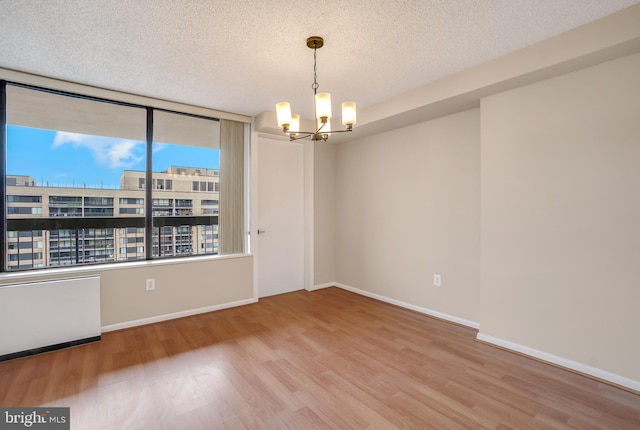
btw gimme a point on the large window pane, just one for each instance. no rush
(78, 190)
(185, 152)
(66, 162)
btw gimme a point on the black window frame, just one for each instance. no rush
(148, 221)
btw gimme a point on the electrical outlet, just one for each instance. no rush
(151, 284)
(437, 280)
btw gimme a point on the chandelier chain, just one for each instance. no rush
(315, 69)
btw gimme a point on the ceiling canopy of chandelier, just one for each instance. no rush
(290, 123)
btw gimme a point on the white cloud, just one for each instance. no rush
(123, 153)
(63, 137)
(108, 151)
(157, 146)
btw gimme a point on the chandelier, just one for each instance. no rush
(290, 123)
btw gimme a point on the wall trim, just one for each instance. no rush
(427, 311)
(562, 362)
(174, 315)
(321, 286)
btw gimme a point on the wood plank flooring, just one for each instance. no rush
(329, 359)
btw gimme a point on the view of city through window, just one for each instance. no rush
(79, 199)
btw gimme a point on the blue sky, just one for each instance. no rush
(70, 159)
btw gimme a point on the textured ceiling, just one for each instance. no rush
(244, 56)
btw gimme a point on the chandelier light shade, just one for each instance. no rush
(290, 122)
(283, 110)
(348, 114)
(294, 127)
(323, 105)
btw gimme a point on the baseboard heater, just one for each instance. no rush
(43, 316)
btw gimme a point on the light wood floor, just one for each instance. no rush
(326, 359)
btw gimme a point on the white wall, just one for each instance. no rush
(182, 286)
(325, 215)
(561, 216)
(408, 207)
(554, 167)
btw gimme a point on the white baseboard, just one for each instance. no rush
(562, 362)
(420, 309)
(321, 286)
(174, 315)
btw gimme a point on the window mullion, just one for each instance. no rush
(148, 211)
(3, 173)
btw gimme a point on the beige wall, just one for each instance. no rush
(324, 212)
(408, 207)
(560, 216)
(180, 286)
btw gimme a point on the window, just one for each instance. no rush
(161, 184)
(98, 201)
(130, 201)
(73, 165)
(56, 211)
(24, 199)
(133, 250)
(86, 179)
(65, 200)
(185, 160)
(23, 211)
(89, 212)
(131, 211)
(162, 203)
(130, 230)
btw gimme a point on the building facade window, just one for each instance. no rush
(65, 200)
(56, 211)
(131, 211)
(90, 212)
(24, 199)
(129, 201)
(18, 210)
(98, 201)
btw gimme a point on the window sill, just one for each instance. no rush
(92, 269)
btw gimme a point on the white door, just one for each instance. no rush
(280, 217)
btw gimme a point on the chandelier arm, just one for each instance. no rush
(337, 131)
(311, 133)
(305, 134)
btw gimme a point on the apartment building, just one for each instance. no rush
(63, 226)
